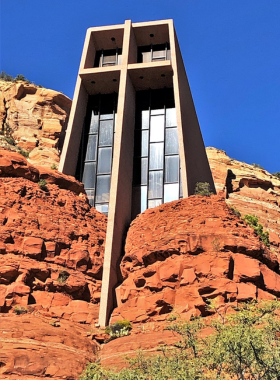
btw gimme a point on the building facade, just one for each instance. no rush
(133, 137)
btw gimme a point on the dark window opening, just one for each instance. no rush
(105, 58)
(156, 172)
(153, 53)
(96, 150)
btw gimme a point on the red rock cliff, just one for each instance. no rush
(35, 119)
(51, 258)
(251, 190)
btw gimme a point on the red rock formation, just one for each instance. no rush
(182, 253)
(250, 189)
(51, 243)
(36, 347)
(36, 118)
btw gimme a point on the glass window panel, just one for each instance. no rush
(107, 116)
(171, 192)
(90, 195)
(181, 187)
(145, 120)
(89, 175)
(106, 132)
(168, 54)
(171, 120)
(144, 191)
(119, 59)
(171, 146)
(91, 148)
(157, 128)
(93, 123)
(109, 60)
(171, 169)
(104, 208)
(102, 188)
(156, 156)
(154, 203)
(144, 143)
(146, 57)
(155, 184)
(104, 160)
(144, 171)
(159, 55)
(159, 111)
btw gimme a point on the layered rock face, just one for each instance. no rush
(51, 243)
(36, 118)
(250, 189)
(51, 259)
(33, 347)
(183, 253)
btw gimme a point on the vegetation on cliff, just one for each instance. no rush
(241, 345)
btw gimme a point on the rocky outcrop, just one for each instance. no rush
(35, 119)
(51, 243)
(36, 347)
(183, 253)
(249, 189)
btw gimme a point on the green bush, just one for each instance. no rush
(54, 167)
(119, 329)
(20, 310)
(243, 345)
(235, 211)
(63, 276)
(43, 184)
(9, 140)
(4, 76)
(277, 174)
(23, 152)
(203, 188)
(253, 222)
(258, 166)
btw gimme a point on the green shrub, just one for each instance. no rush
(243, 345)
(253, 222)
(235, 211)
(20, 77)
(119, 329)
(54, 167)
(258, 166)
(43, 184)
(20, 310)
(4, 76)
(63, 276)
(23, 152)
(9, 140)
(277, 174)
(203, 188)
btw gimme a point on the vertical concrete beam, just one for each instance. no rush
(71, 146)
(194, 161)
(119, 216)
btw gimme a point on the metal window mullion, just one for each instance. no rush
(165, 50)
(102, 58)
(164, 147)
(117, 54)
(97, 145)
(149, 145)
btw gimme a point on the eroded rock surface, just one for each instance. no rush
(36, 347)
(51, 243)
(250, 189)
(36, 119)
(182, 253)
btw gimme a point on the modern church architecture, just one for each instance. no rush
(133, 137)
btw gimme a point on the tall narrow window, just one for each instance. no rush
(156, 173)
(96, 151)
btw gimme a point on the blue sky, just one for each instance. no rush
(230, 49)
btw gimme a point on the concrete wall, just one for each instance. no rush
(192, 150)
(119, 216)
